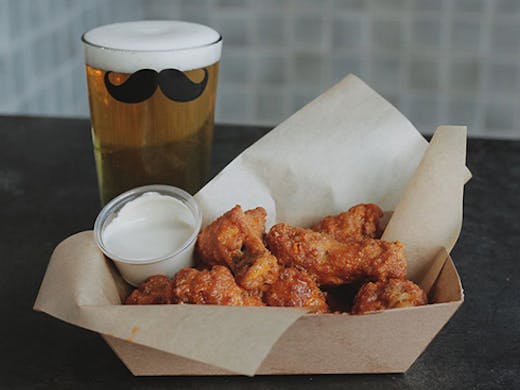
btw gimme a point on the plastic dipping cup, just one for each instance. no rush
(148, 231)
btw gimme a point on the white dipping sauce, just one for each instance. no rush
(149, 227)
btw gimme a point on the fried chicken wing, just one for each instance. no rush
(216, 286)
(333, 262)
(359, 222)
(257, 271)
(296, 288)
(224, 241)
(154, 290)
(255, 218)
(235, 240)
(388, 294)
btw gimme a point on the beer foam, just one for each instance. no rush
(152, 44)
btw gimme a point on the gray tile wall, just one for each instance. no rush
(41, 59)
(438, 61)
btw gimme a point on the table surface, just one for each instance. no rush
(48, 191)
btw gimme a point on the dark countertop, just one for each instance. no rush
(48, 191)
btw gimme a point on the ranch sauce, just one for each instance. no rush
(149, 227)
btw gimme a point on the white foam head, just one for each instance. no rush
(152, 44)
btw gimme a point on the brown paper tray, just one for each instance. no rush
(386, 342)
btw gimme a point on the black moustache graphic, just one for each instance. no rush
(141, 85)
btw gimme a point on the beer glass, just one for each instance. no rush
(152, 87)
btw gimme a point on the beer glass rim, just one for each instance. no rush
(115, 205)
(87, 42)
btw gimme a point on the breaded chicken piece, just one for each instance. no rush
(255, 218)
(224, 241)
(359, 222)
(333, 262)
(296, 288)
(235, 240)
(387, 294)
(257, 271)
(211, 287)
(154, 290)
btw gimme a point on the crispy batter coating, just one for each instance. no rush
(256, 272)
(154, 290)
(224, 241)
(359, 222)
(256, 220)
(235, 240)
(211, 287)
(296, 288)
(388, 294)
(333, 262)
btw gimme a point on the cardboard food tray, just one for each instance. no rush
(386, 342)
(348, 146)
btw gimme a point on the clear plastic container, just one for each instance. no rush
(135, 271)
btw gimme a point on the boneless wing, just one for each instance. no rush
(215, 286)
(224, 241)
(235, 240)
(296, 288)
(359, 222)
(333, 262)
(257, 271)
(389, 294)
(154, 290)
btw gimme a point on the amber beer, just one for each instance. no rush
(152, 103)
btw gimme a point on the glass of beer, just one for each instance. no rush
(152, 87)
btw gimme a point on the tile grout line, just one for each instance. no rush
(251, 90)
(445, 62)
(366, 30)
(326, 44)
(484, 49)
(290, 64)
(405, 59)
